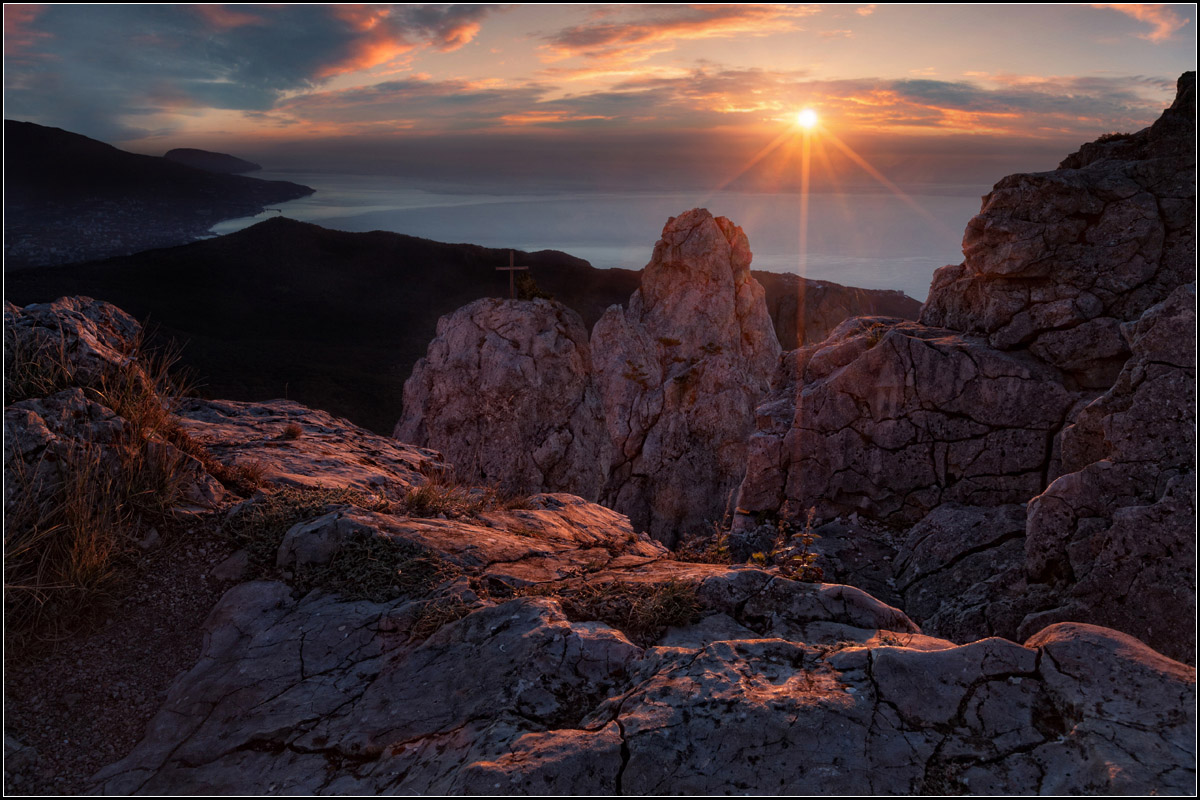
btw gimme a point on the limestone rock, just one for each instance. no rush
(321, 695)
(505, 393)
(961, 572)
(890, 419)
(1057, 261)
(293, 445)
(680, 372)
(1116, 535)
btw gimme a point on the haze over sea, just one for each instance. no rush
(868, 238)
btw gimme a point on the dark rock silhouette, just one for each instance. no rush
(213, 162)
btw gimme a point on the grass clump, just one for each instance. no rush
(642, 611)
(376, 568)
(436, 614)
(259, 526)
(792, 553)
(291, 432)
(71, 517)
(442, 496)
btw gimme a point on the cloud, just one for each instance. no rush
(649, 30)
(92, 68)
(867, 10)
(1163, 19)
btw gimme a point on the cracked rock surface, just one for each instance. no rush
(505, 393)
(551, 648)
(772, 686)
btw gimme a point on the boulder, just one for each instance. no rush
(72, 341)
(679, 373)
(505, 394)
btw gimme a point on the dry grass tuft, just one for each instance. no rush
(642, 611)
(259, 525)
(444, 496)
(71, 518)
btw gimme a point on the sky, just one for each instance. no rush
(603, 94)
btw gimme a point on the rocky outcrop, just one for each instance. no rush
(652, 418)
(399, 634)
(890, 419)
(71, 371)
(680, 371)
(505, 393)
(1057, 261)
(1054, 367)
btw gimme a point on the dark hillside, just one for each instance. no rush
(336, 320)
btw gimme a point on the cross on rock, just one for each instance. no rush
(511, 270)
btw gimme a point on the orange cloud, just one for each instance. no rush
(656, 30)
(866, 11)
(19, 33)
(224, 18)
(1161, 17)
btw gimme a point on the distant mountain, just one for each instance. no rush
(213, 162)
(336, 320)
(70, 198)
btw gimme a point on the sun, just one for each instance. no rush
(806, 118)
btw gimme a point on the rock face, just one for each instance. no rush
(891, 419)
(680, 371)
(1053, 367)
(505, 393)
(1118, 530)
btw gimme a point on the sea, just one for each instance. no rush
(873, 238)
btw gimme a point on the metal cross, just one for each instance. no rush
(510, 269)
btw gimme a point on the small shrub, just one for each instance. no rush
(527, 288)
(793, 556)
(711, 349)
(1113, 137)
(710, 549)
(667, 341)
(642, 611)
(292, 431)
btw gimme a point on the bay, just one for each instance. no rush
(875, 239)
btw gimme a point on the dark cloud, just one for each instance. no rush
(84, 67)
